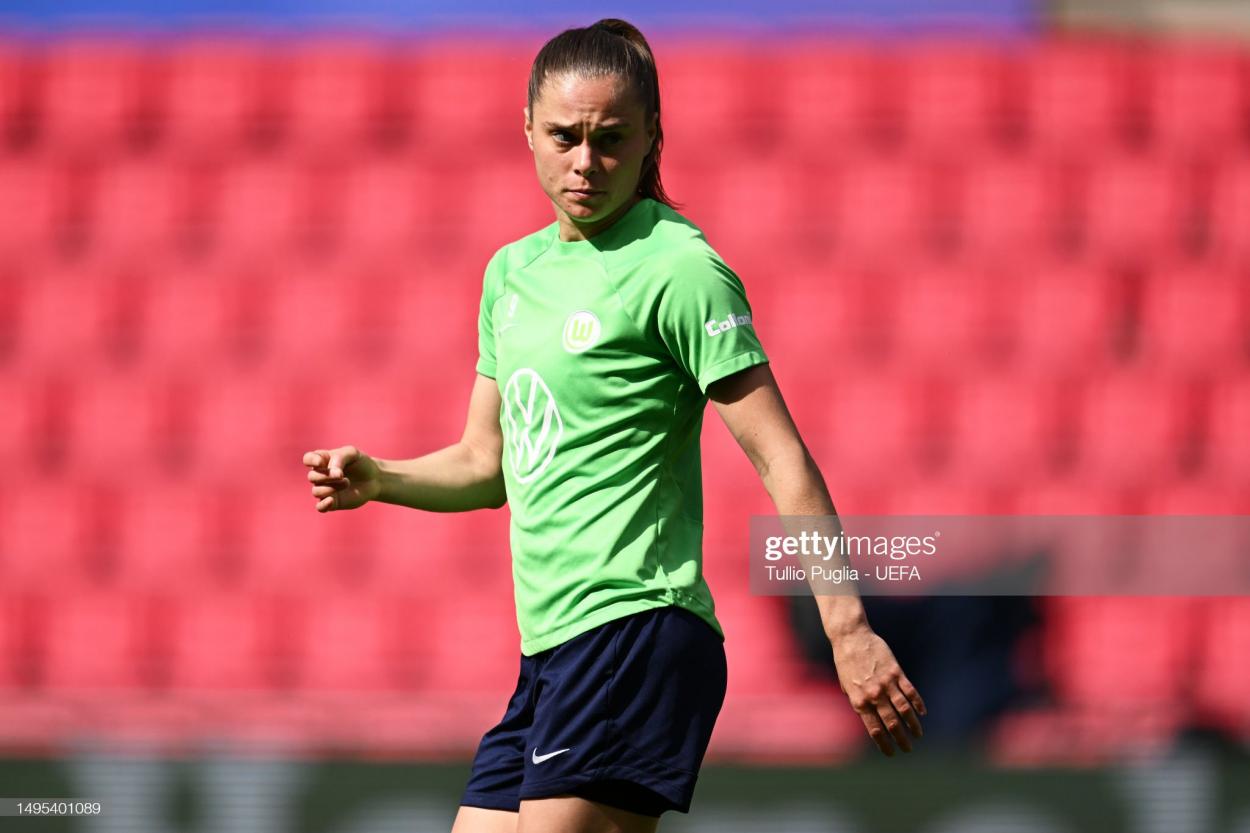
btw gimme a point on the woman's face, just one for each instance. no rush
(589, 137)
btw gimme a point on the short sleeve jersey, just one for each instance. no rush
(603, 350)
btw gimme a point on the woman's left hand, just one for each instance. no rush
(879, 691)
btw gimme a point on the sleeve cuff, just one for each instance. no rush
(730, 366)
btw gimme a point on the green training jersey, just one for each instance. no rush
(603, 350)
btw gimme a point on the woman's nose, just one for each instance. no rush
(586, 161)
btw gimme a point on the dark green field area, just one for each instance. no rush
(1197, 789)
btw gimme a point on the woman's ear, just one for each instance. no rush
(529, 127)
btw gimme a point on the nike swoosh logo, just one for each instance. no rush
(538, 759)
(507, 327)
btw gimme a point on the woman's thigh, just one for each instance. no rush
(481, 820)
(569, 814)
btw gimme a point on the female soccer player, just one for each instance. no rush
(601, 339)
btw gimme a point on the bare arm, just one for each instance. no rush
(751, 406)
(463, 476)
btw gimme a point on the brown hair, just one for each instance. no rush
(609, 47)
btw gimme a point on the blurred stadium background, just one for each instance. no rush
(999, 254)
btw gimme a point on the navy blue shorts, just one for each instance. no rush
(621, 714)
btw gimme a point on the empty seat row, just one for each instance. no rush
(1112, 207)
(255, 533)
(180, 537)
(966, 317)
(265, 207)
(1123, 429)
(218, 642)
(388, 316)
(83, 94)
(1137, 426)
(1173, 649)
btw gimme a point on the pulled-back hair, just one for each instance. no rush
(609, 47)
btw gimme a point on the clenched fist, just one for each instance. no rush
(342, 478)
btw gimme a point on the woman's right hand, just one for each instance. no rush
(342, 478)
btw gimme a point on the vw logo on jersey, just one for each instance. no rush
(532, 421)
(581, 331)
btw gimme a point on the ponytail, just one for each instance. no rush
(609, 47)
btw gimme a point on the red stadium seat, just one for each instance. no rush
(334, 297)
(351, 643)
(761, 649)
(713, 196)
(1004, 428)
(437, 296)
(1216, 545)
(72, 317)
(951, 507)
(1195, 319)
(1069, 496)
(500, 202)
(14, 639)
(1227, 443)
(1137, 208)
(95, 96)
(1063, 316)
(831, 96)
(1133, 428)
(50, 537)
(1095, 646)
(91, 641)
(138, 209)
(382, 208)
(1228, 229)
(285, 545)
(830, 310)
(1077, 97)
(25, 427)
(956, 493)
(461, 98)
(377, 412)
(1076, 541)
(261, 211)
(1198, 496)
(877, 428)
(417, 551)
(945, 315)
(1197, 101)
(488, 625)
(167, 540)
(124, 422)
(1221, 680)
(1010, 208)
(333, 94)
(224, 641)
(199, 318)
(16, 90)
(953, 100)
(881, 208)
(216, 95)
(37, 198)
(245, 417)
(704, 85)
